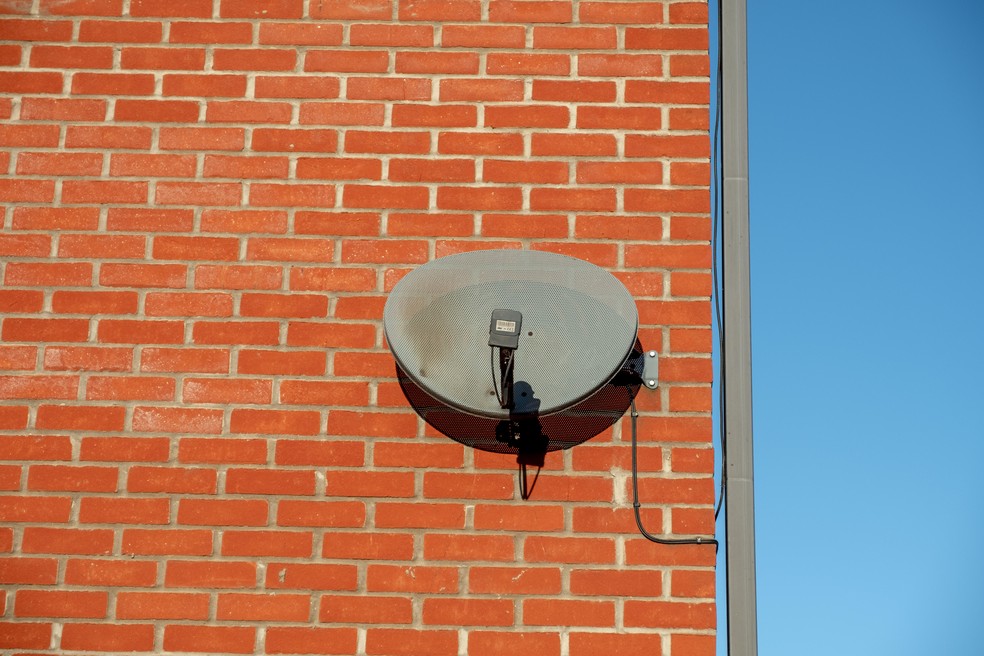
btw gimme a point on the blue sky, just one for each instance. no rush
(867, 228)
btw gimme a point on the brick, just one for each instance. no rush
(239, 391)
(483, 36)
(458, 547)
(253, 59)
(13, 417)
(35, 29)
(209, 276)
(28, 571)
(291, 140)
(526, 116)
(391, 35)
(286, 363)
(381, 196)
(187, 304)
(176, 542)
(26, 191)
(394, 454)
(34, 509)
(46, 540)
(692, 583)
(619, 644)
(353, 10)
(87, 358)
(283, 305)
(110, 136)
(364, 610)
(55, 218)
(170, 58)
(232, 166)
(342, 113)
(45, 330)
(311, 576)
(333, 514)
(130, 84)
(388, 88)
(666, 38)
(197, 139)
(296, 86)
(347, 61)
(116, 31)
(59, 478)
(458, 612)
(235, 332)
(263, 607)
(135, 331)
(101, 246)
(628, 12)
(568, 612)
(437, 62)
(291, 195)
(177, 420)
(99, 510)
(522, 518)
(172, 480)
(25, 635)
(125, 449)
(463, 116)
(669, 614)
(103, 191)
(616, 583)
(411, 580)
(59, 163)
(172, 360)
(336, 224)
(320, 453)
(260, 481)
(161, 606)
(514, 580)
(282, 544)
(14, 358)
(695, 644)
(57, 603)
(487, 643)
(110, 573)
(311, 640)
(368, 546)
(340, 168)
(39, 387)
(370, 484)
(574, 91)
(198, 193)
(80, 417)
(667, 146)
(238, 221)
(143, 219)
(277, 422)
(246, 111)
(573, 145)
(31, 82)
(215, 639)
(45, 56)
(261, 8)
(21, 301)
(530, 11)
(222, 512)
(300, 34)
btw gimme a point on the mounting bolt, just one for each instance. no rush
(652, 383)
(652, 354)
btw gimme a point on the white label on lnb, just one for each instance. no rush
(505, 326)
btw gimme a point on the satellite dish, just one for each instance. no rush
(515, 351)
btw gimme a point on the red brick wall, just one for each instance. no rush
(203, 444)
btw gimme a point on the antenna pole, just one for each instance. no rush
(737, 356)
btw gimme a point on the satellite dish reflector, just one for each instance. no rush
(515, 351)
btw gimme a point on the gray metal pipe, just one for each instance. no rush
(737, 356)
